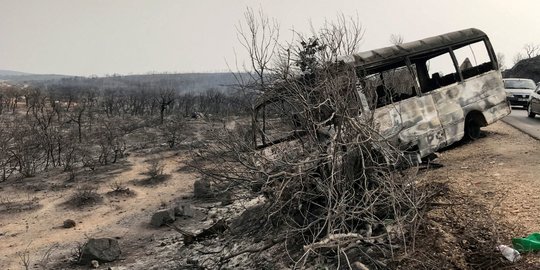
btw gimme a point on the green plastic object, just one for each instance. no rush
(527, 244)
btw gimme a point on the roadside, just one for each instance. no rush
(495, 196)
(518, 119)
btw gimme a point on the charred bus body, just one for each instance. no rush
(425, 94)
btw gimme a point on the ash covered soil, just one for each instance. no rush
(489, 192)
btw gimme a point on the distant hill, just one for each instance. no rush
(11, 73)
(526, 68)
(181, 82)
(17, 76)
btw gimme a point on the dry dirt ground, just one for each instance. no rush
(492, 195)
(125, 217)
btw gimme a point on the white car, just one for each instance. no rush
(518, 91)
(533, 107)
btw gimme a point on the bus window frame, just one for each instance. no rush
(424, 57)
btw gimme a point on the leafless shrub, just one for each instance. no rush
(84, 196)
(24, 258)
(46, 257)
(118, 189)
(172, 130)
(155, 173)
(155, 168)
(76, 252)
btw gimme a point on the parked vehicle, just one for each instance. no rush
(533, 105)
(518, 91)
(425, 94)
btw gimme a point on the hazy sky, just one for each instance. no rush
(84, 37)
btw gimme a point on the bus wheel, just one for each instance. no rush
(472, 129)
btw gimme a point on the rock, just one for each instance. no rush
(69, 223)
(162, 217)
(100, 250)
(227, 199)
(94, 264)
(183, 210)
(202, 189)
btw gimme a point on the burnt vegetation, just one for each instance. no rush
(288, 132)
(72, 123)
(331, 190)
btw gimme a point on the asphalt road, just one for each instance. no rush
(518, 119)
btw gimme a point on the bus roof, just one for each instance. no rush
(390, 54)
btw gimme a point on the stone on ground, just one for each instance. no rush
(162, 217)
(201, 189)
(100, 250)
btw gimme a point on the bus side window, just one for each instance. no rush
(436, 72)
(473, 59)
(390, 85)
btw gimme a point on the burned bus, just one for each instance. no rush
(425, 94)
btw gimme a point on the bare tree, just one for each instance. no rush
(517, 58)
(6, 154)
(531, 50)
(259, 37)
(165, 99)
(501, 60)
(340, 37)
(396, 39)
(77, 116)
(27, 150)
(111, 142)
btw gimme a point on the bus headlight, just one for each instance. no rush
(509, 95)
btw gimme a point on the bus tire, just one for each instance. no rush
(472, 129)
